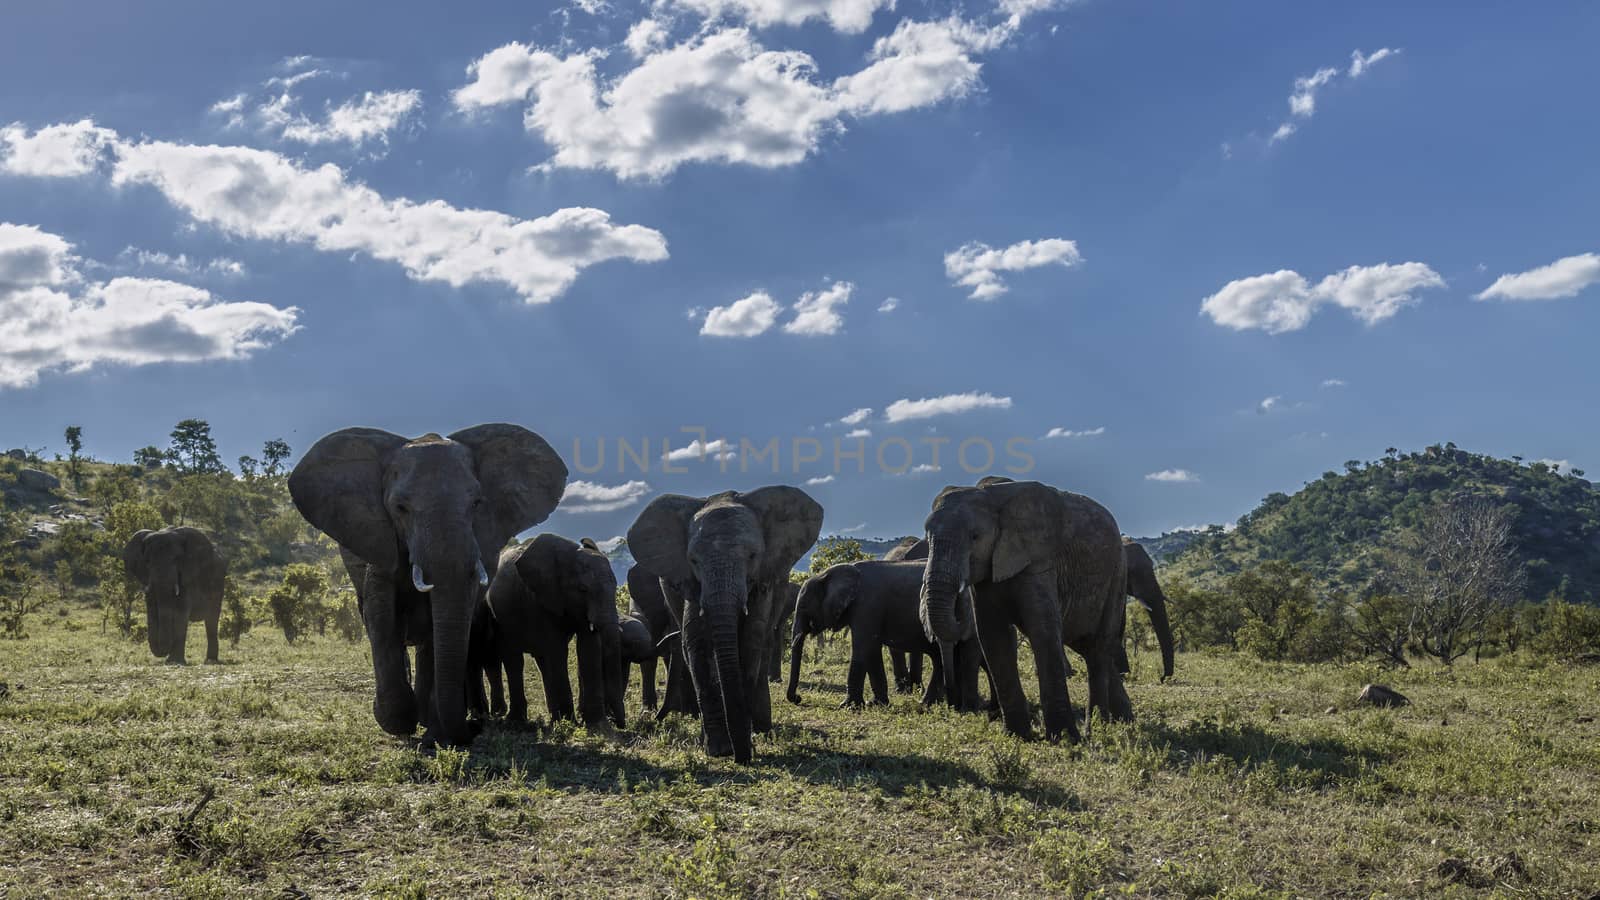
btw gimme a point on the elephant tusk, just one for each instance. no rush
(416, 579)
(483, 574)
(176, 591)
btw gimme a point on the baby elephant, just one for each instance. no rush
(639, 648)
(182, 575)
(878, 601)
(545, 593)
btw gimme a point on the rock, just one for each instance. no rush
(1584, 720)
(17, 454)
(1381, 695)
(37, 481)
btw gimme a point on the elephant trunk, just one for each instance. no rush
(1157, 605)
(724, 597)
(796, 649)
(614, 673)
(452, 635)
(942, 580)
(165, 615)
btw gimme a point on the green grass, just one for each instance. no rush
(1234, 782)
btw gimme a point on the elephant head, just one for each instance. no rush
(638, 644)
(1142, 585)
(430, 515)
(719, 554)
(824, 600)
(909, 549)
(168, 564)
(988, 533)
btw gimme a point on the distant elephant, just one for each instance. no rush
(907, 672)
(879, 602)
(548, 592)
(649, 605)
(1143, 586)
(1044, 561)
(723, 562)
(182, 576)
(781, 618)
(426, 518)
(639, 649)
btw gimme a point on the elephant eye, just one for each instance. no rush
(402, 509)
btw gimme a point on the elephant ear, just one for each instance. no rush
(522, 478)
(338, 488)
(790, 523)
(1029, 515)
(199, 552)
(843, 584)
(659, 537)
(133, 557)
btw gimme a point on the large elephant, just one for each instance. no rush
(548, 592)
(648, 604)
(781, 617)
(1143, 586)
(1044, 561)
(426, 518)
(879, 602)
(183, 576)
(723, 563)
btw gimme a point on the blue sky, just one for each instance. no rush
(598, 222)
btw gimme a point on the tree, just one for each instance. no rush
(74, 436)
(273, 454)
(149, 457)
(1457, 569)
(236, 620)
(248, 466)
(836, 550)
(119, 594)
(1382, 627)
(1278, 604)
(298, 604)
(193, 450)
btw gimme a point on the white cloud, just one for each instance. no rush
(859, 433)
(1303, 102)
(1283, 131)
(721, 96)
(847, 16)
(1174, 476)
(1562, 278)
(263, 195)
(1059, 432)
(978, 266)
(156, 259)
(1284, 301)
(58, 321)
(231, 106)
(55, 151)
(906, 410)
(749, 317)
(815, 312)
(717, 449)
(924, 468)
(1360, 64)
(356, 121)
(1333, 382)
(588, 497)
(1269, 404)
(889, 305)
(856, 417)
(861, 526)
(821, 479)
(610, 544)
(1559, 465)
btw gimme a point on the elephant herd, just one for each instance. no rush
(425, 528)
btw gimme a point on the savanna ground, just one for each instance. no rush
(1236, 781)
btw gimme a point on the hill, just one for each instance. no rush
(1333, 525)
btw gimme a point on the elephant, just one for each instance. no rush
(879, 602)
(649, 605)
(1041, 560)
(638, 646)
(483, 662)
(1143, 586)
(907, 667)
(182, 576)
(425, 519)
(781, 618)
(723, 562)
(547, 592)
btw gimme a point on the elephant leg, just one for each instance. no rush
(1122, 660)
(902, 672)
(696, 643)
(680, 697)
(497, 693)
(880, 684)
(552, 661)
(426, 702)
(212, 646)
(1000, 650)
(857, 676)
(935, 691)
(775, 646)
(516, 687)
(1040, 617)
(914, 671)
(758, 691)
(394, 703)
(647, 679)
(591, 682)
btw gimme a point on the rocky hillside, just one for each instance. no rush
(1332, 526)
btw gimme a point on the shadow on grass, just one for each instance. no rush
(1251, 747)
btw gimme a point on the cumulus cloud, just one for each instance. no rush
(856, 417)
(820, 479)
(1562, 278)
(749, 317)
(816, 312)
(889, 305)
(1059, 432)
(978, 266)
(55, 151)
(56, 320)
(716, 448)
(1173, 476)
(181, 263)
(1359, 64)
(859, 433)
(1303, 99)
(589, 497)
(357, 121)
(610, 544)
(948, 404)
(1284, 301)
(847, 16)
(720, 95)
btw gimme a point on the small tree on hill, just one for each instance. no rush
(150, 457)
(74, 436)
(273, 455)
(1457, 569)
(193, 450)
(834, 551)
